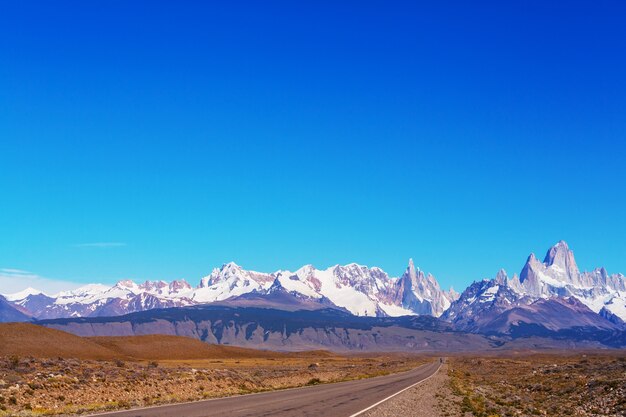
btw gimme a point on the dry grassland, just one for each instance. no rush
(48, 372)
(565, 384)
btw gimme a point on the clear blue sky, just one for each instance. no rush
(158, 140)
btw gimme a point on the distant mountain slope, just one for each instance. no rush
(11, 313)
(553, 314)
(269, 328)
(481, 302)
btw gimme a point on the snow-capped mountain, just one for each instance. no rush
(558, 275)
(484, 300)
(22, 294)
(102, 300)
(229, 281)
(358, 289)
(556, 280)
(421, 293)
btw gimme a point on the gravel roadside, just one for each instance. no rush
(432, 398)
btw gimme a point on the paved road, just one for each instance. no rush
(342, 399)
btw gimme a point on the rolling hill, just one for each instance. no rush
(26, 339)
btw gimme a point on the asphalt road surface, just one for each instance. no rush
(342, 399)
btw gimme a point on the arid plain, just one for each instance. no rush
(67, 374)
(70, 375)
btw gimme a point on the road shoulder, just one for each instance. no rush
(431, 398)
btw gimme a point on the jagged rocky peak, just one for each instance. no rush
(153, 285)
(414, 276)
(421, 293)
(179, 285)
(532, 263)
(411, 278)
(427, 283)
(554, 274)
(559, 275)
(453, 294)
(560, 257)
(502, 278)
(411, 266)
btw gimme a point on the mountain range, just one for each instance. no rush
(549, 298)
(358, 289)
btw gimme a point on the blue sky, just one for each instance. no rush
(157, 140)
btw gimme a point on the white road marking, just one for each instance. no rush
(397, 393)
